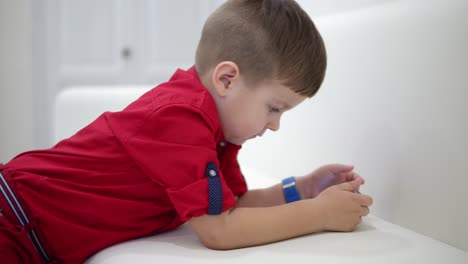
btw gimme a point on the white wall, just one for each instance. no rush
(16, 124)
(394, 105)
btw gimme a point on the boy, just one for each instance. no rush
(170, 157)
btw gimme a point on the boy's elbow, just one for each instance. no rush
(216, 238)
(213, 240)
(212, 232)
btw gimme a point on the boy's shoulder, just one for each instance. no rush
(183, 91)
(183, 88)
(180, 105)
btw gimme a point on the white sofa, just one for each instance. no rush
(376, 240)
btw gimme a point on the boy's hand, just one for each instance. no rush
(341, 207)
(313, 184)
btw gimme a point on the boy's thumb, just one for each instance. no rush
(350, 186)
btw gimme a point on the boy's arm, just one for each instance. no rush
(243, 227)
(266, 197)
(308, 186)
(337, 208)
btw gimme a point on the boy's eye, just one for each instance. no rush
(273, 109)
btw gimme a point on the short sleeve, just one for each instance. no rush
(173, 148)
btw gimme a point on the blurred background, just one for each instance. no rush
(394, 102)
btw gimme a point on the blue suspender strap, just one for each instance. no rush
(21, 216)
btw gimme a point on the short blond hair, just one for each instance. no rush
(267, 39)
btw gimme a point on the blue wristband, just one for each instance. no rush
(290, 191)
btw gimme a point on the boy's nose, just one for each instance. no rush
(274, 125)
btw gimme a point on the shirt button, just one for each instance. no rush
(222, 144)
(212, 173)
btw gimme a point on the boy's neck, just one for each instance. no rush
(205, 80)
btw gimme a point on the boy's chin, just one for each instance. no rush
(240, 141)
(248, 139)
(237, 142)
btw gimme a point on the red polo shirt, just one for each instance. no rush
(128, 174)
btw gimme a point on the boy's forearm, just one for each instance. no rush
(243, 227)
(266, 197)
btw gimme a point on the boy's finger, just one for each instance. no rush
(351, 176)
(358, 177)
(341, 168)
(350, 186)
(364, 211)
(365, 200)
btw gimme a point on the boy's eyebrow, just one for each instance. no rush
(283, 104)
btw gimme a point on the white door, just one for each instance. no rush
(109, 42)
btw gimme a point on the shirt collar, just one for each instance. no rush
(208, 104)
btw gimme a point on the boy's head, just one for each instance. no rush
(268, 40)
(259, 59)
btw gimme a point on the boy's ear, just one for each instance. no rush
(223, 75)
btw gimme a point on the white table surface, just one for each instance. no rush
(375, 241)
